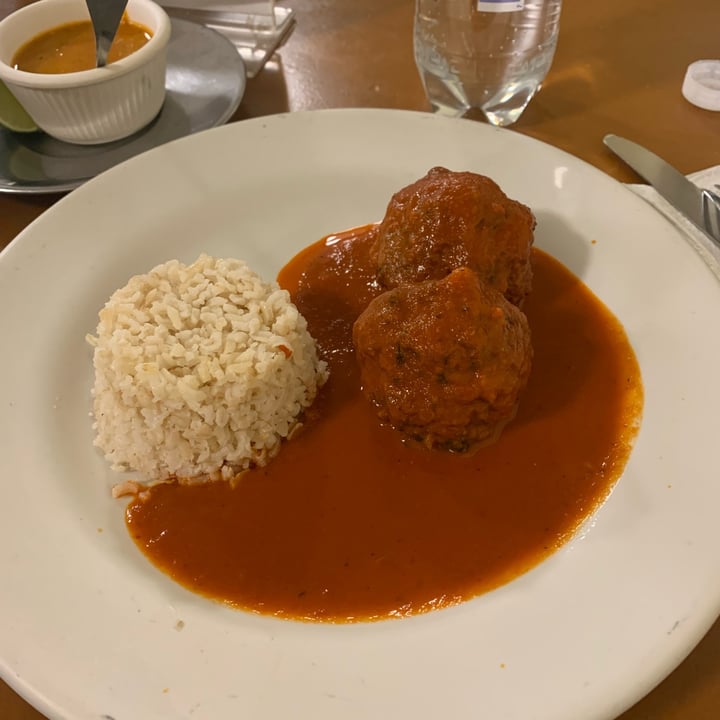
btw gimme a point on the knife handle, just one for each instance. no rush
(711, 212)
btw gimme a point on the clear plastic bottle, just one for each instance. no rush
(487, 54)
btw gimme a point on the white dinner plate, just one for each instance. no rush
(89, 629)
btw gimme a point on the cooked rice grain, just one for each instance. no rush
(200, 371)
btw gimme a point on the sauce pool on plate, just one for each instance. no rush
(349, 522)
(70, 47)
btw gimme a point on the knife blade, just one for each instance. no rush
(701, 207)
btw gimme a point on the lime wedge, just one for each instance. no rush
(12, 114)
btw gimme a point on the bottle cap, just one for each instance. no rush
(701, 86)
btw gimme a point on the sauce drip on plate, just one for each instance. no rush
(350, 523)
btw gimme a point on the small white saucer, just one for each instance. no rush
(205, 83)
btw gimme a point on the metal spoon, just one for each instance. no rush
(105, 16)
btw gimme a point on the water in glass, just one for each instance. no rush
(487, 54)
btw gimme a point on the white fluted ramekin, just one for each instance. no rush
(90, 106)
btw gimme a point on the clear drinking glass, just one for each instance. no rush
(491, 55)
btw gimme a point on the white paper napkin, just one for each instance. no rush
(257, 28)
(252, 7)
(702, 244)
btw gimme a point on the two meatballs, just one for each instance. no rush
(445, 352)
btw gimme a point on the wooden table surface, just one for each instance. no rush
(618, 68)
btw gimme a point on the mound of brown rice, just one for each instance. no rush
(200, 371)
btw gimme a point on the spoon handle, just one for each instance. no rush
(105, 16)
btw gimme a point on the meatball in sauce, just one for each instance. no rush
(446, 220)
(444, 361)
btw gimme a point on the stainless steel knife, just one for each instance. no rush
(701, 207)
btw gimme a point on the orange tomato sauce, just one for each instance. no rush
(349, 523)
(70, 47)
